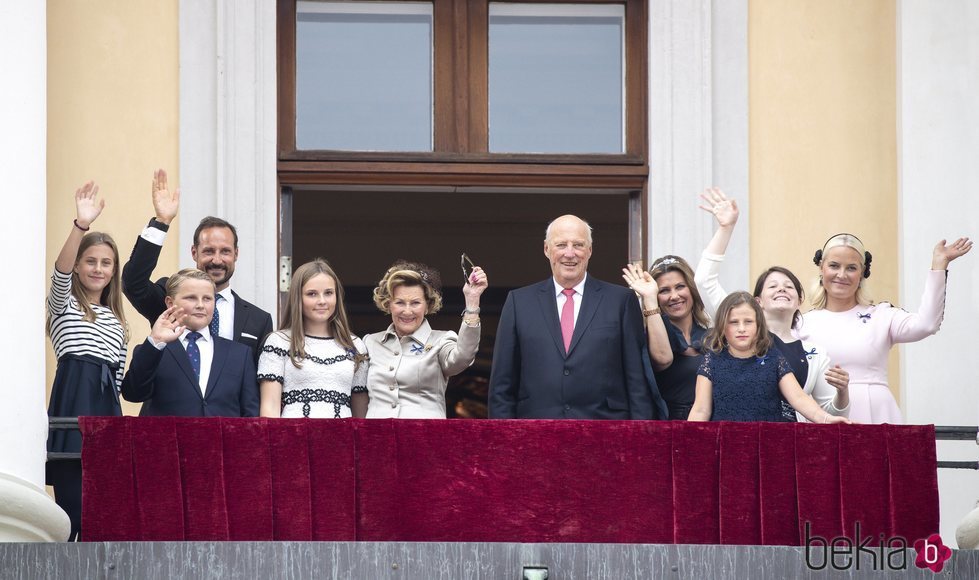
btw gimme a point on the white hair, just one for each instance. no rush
(547, 232)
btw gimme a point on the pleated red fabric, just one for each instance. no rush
(504, 481)
(778, 491)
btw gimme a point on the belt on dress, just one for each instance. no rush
(108, 378)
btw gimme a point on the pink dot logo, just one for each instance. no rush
(932, 553)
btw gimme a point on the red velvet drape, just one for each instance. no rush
(495, 481)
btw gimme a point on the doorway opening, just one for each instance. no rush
(362, 231)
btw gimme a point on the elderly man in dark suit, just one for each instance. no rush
(215, 252)
(182, 369)
(571, 346)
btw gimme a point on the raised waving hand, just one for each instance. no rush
(87, 205)
(168, 327)
(943, 254)
(165, 203)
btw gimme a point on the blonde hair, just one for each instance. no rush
(409, 274)
(174, 282)
(292, 315)
(818, 291)
(111, 296)
(716, 341)
(671, 263)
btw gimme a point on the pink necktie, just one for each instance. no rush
(567, 317)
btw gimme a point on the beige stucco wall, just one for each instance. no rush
(112, 117)
(823, 135)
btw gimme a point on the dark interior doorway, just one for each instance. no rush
(361, 232)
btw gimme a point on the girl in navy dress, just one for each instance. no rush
(741, 376)
(88, 330)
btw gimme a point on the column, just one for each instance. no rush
(27, 513)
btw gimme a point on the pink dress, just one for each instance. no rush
(860, 339)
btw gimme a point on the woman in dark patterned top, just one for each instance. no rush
(675, 327)
(313, 366)
(88, 330)
(742, 377)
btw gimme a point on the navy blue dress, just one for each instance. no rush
(678, 382)
(745, 389)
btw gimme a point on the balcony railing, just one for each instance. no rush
(942, 433)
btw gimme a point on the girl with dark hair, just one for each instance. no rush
(88, 329)
(742, 378)
(780, 295)
(313, 366)
(411, 363)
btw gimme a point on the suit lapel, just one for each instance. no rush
(217, 364)
(178, 352)
(548, 307)
(240, 314)
(590, 300)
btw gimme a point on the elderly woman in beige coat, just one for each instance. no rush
(410, 364)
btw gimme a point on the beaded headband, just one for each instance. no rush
(665, 262)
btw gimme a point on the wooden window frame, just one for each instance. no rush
(461, 158)
(461, 93)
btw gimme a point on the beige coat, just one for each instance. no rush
(407, 377)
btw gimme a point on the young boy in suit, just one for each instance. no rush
(182, 369)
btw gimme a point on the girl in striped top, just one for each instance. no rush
(89, 333)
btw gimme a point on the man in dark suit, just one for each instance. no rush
(571, 346)
(182, 370)
(215, 252)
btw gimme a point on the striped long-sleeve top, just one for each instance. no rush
(71, 334)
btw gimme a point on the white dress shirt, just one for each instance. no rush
(225, 306)
(579, 293)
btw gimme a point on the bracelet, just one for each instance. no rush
(80, 227)
(470, 311)
(650, 312)
(825, 417)
(471, 323)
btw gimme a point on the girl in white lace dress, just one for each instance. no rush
(313, 366)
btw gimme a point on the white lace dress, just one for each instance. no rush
(321, 388)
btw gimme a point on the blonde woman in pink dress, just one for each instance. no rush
(857, 333)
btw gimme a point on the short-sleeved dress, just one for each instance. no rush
(745, 389)
(322, 387)
(678, 382)
(809, 361)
